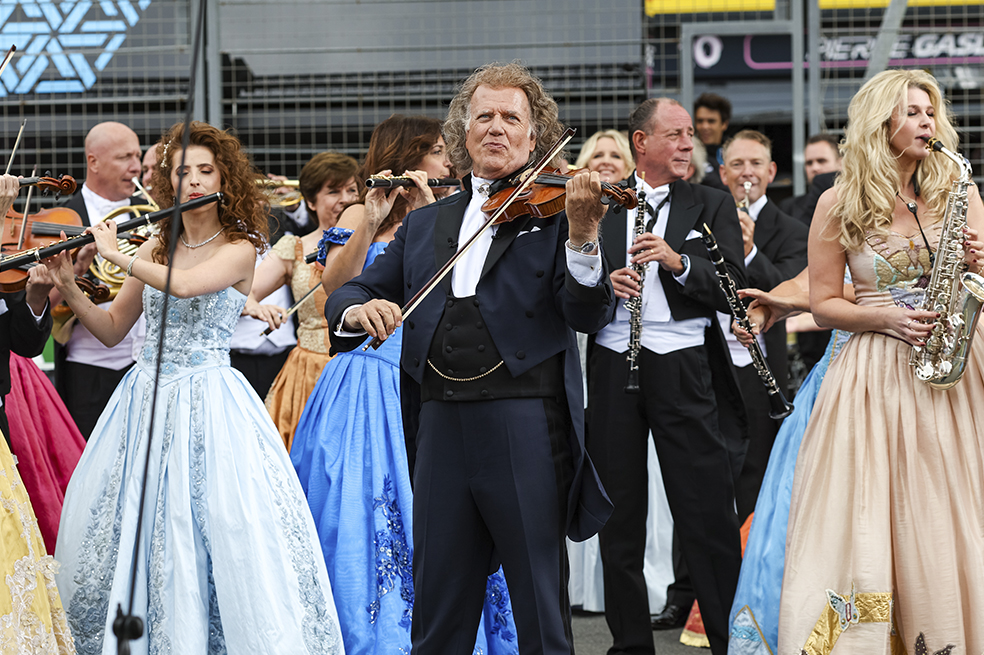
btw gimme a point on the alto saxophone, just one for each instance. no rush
(634, 304)
(955, 294)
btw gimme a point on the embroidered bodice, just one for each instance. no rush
(312, 327)
(198, 333)
(893, 269)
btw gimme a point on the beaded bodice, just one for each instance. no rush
(893, 269)
(198, 332)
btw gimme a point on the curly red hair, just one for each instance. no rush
(242, 213)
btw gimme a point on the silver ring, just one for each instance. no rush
(909, 324)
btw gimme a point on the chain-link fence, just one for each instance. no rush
(295, 77)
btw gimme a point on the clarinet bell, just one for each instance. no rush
(780, 407)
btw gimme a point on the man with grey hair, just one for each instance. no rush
(685, 383)
(491, 391)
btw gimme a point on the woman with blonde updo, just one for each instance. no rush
(886, 531)
(228, 556)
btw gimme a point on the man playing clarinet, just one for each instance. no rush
(682, 351)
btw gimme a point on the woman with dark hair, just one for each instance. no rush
(349, 449)
(329, 184)
(228, 556)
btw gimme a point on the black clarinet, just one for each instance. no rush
(780, 407)
(634, 304)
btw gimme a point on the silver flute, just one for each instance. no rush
(779, 407)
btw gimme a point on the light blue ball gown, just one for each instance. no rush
(755, 612)
(351, 459)
(229, 559)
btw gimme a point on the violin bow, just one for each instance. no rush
(294, 307)
(7, 58)
(13, 152)
(27, 209)
(528, 178)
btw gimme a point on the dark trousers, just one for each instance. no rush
(762, 432)
(490, 484)
(86, 389)
(677, 403)
(259, 370)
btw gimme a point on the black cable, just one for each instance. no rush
(127, 627)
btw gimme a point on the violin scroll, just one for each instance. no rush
(64, 184)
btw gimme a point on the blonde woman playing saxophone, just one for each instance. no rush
(885, 527)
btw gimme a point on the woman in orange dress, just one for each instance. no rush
(328, 183)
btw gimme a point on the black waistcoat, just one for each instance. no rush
(464, 364)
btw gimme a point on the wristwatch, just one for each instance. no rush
(585, 248)
(685, 260)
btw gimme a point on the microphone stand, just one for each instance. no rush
(128, 627)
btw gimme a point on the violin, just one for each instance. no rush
(547, 197)
(35, 231)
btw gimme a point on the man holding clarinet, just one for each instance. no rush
(682, 355)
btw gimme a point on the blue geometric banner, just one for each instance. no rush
(77, 37)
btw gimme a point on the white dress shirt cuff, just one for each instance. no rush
(682, 277)
(339, 332)
(751, 255)
(586, 269)
(37, 318)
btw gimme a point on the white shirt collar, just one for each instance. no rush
(756, 207)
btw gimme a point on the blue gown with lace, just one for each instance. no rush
(229, 559)
(755, 612)
(350, 456)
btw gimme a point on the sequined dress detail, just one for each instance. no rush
(229, 558)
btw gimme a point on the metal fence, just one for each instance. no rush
(295, 77)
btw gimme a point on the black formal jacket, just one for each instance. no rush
(20, 333)
(77, 203)
(530, 303)
(781, 241)
(802, 207)
(692, 206)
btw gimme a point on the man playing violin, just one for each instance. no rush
(491, 387)
(25, 317)
(86, 371)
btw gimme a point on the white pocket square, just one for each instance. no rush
(535, 228)
(693, 234)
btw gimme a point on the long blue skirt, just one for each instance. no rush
(350, 456)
